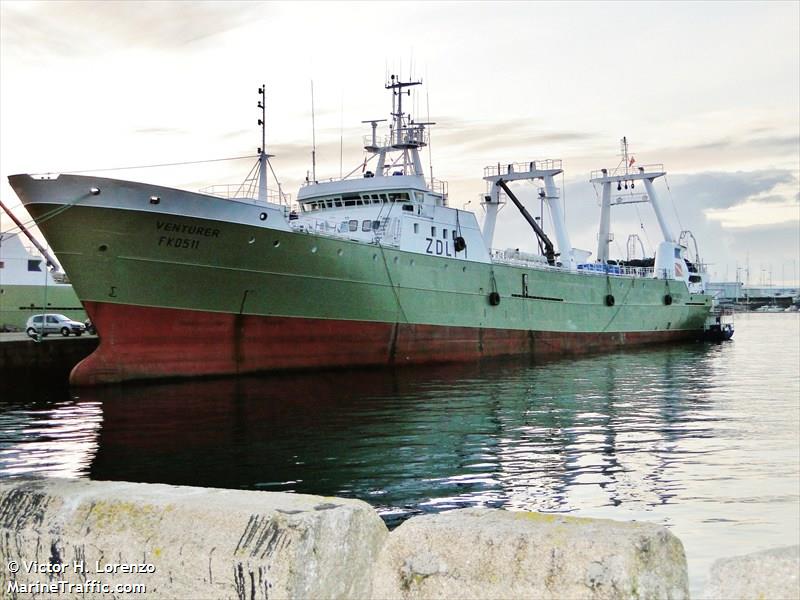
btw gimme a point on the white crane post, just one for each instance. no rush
(417, 163)
(491, 204)
(553, 203)
(604, 236)
(662, 222)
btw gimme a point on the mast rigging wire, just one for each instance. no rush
(177, 164)
(672, 201)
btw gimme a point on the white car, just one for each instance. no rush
(53, 323)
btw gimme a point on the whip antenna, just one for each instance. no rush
(313, 138)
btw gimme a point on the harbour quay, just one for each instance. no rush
(89, 538)
(24, 359)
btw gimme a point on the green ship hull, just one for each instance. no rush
(177, 295)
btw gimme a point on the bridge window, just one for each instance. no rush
(376, 225)
(398, 197)
(444, 234)
(354, 225)
(366, 226)
(433, 232)
(34, 265)
(416, 227)
(419, 196)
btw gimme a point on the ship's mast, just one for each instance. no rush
(624, 153)
(262, 151)
(397, 93)
(405, 134)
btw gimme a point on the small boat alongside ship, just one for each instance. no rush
(373, 269)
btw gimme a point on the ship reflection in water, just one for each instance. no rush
(600, 431)
(695, 437)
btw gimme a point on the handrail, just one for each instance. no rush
(548, 164)
(333, 229)
(632, 171)
(439, 186)
(231, 191)
(517, 258)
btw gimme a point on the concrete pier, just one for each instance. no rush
(69, 538)
(23, 359)
(89, 539)
(483, 553)
(769, 574)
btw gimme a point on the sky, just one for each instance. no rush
(711, 90)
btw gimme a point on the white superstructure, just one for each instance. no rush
(389, 201)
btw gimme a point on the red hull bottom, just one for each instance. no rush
(154, 343)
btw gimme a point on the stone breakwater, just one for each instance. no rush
(88, 539)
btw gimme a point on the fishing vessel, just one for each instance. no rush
(375, 268)
(31, 280)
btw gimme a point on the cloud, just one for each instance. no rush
(772, 144)
(161, 131)
(494, 135)
(719, 190)
(72, 29)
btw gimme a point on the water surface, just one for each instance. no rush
(702, 438)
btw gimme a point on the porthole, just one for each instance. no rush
(375, 258)
(251, 241)
(340, 252)
(154, 199)
(412, 262)
(396, 260)
(102, 247)
(276, 244)
(313, 249)
(263, 216)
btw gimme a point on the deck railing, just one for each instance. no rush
(635, 169)
(548, 164)
(386, 233)
(522, 259)
(237, 191)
